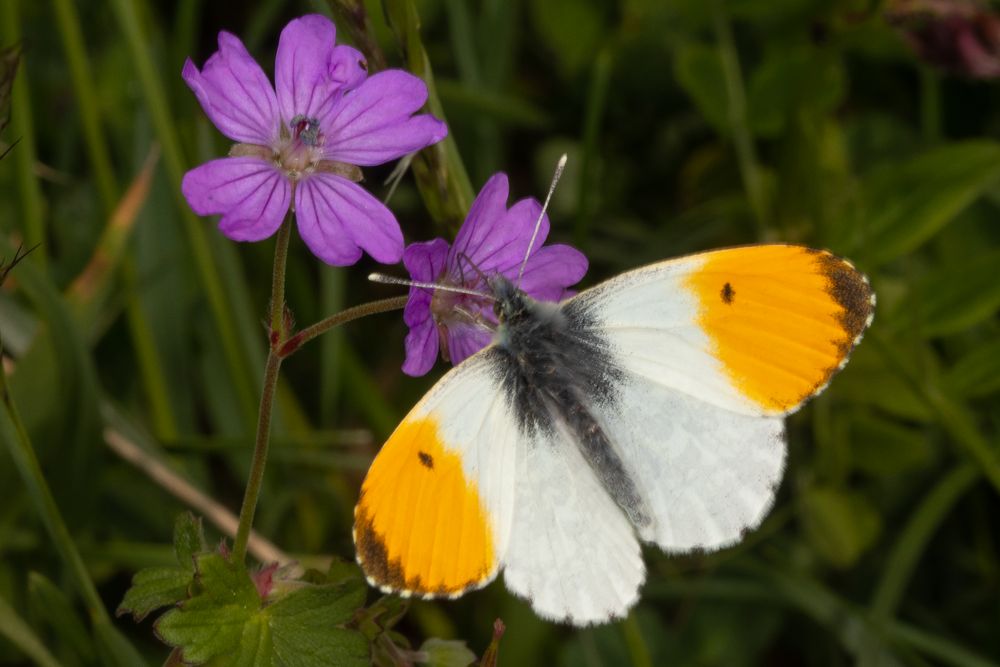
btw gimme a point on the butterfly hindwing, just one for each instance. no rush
(755, 329)
(705, 475)
(435, 511)
(573, 553)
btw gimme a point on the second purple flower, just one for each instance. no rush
(304, 140)
(493, 240)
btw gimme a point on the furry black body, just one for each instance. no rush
(556, 368)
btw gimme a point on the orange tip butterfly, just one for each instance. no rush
(649, 408)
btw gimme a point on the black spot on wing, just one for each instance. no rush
(426, 460)
(727, 293)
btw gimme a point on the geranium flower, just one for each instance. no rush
(303, 141)
(493, 240)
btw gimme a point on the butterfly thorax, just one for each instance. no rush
(557, 369)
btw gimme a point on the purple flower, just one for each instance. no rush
(493, 240)
(305, 142)
(958, 36)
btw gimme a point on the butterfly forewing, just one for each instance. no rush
(435, 510)
(756, 329)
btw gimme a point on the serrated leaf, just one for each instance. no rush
(952, 299)
(211, 622)
(840, 524)
(446, 653)
(227, 623)
(909, 202)
(157, 587)
(189, 539)
(977, 373)
(342, 571)
(153, 588)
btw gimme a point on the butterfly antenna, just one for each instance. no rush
(538, 223)
(392, 280)
(475, 267)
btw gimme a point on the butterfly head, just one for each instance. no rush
(509, 302)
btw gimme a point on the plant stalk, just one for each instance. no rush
(262, 441)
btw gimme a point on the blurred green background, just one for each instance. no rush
(869, 128)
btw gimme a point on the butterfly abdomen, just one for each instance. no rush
(556, 368)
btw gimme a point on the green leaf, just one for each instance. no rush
(840, 524)
(977, 373)
(153, 588)
(699, 70)
(157, 587)
(189, 539)
(951, 299)
(446, 653)
(909, 202)
(227, 623)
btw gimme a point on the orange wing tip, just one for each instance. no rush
(787, 320)
(409, 547)
(387, 576)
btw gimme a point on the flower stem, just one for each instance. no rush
(282, 344)
(276, 337)
(344, 316)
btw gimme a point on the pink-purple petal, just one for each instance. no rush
(364, 122)
(387, 143)
(480, 227)
(426, 261)
(505, 246)
(552, 269)
(465, 340)
(422, 346)
(235, 93)
(301, 67)
(338, 219)
(250, 194)
(347, 67)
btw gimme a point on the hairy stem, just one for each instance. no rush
(276, 337)
(344, 316)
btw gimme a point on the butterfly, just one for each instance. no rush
(646, 409)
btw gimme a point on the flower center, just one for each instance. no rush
(300, 152)
(450, 308)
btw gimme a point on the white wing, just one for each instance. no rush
(436, 508)
(707, 475)
(710, 351)
(573, 554)
(756, 329)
